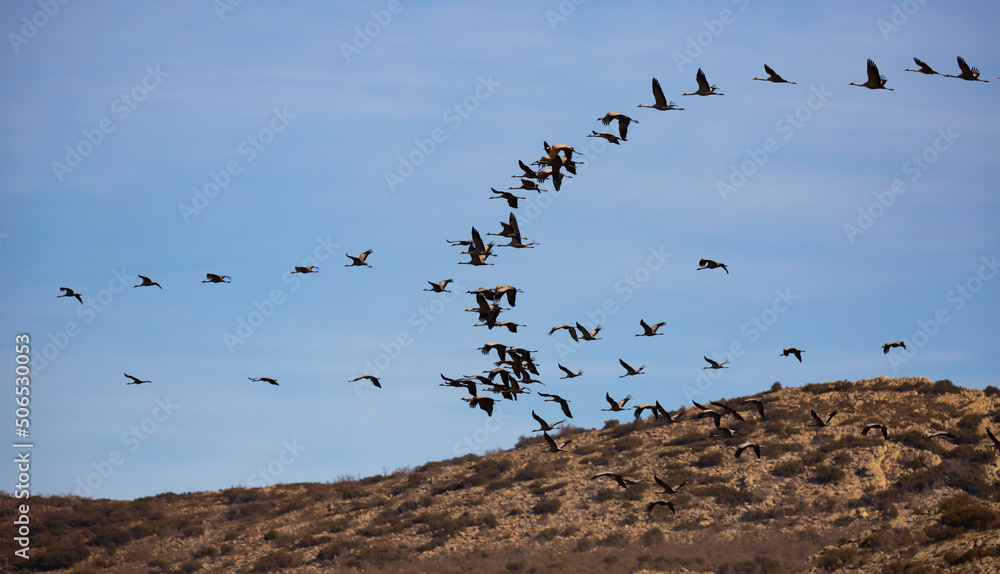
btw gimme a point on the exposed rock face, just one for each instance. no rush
(817, 500)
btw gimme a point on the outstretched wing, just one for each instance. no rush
(873, 75)
(702, 81)
(661, 100)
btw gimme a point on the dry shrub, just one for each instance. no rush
(547, 506)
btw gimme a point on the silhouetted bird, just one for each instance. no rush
(924, 68)
(544, 425)
(887, 346)
(746, 445)
(655, 503)
(264, 379)
(968, 72)
(616, 406)
(147, 282)
(821, 422)
(622, 481)
(880, 426)
(875, 81)
(758, 403)
(359, 261)
(622, 119)
(773, 76)
(660, 101)
(67, 292)
(630, 371)
(703, 88)
(666, 487)
(649, 331)
(709, 264)
(213, 278)
(371, 378)
(439, 287)
(569, 374)
(553, 447)
(563, 403)
(715, 365)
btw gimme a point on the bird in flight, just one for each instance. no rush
(67, 292)
(746, 445)
(667, 489)
(792, 351)
(703, 88)
(528, 185)
(772, 76)
(610, 138)
(629, 370)
(135, 380)
(671, 419)
(264, 379)
(510, 197)
(938, 434)
(371, 378)
(716, 416)
(563, 403)
(571, 329)
(641, 407)
(819, 421)
(652, 505)
(709, 264)
(729, 410)
(714, 364)
(553, 447)
(147, 282)
(887, 346)
(757, 403)
(880, 426)
(648, 331)
(569, 374)
(439, 287)
(968, 72)
(875, 81)
(213, 278)
(307, 269)
(588, 335)
(544, 425)
(660, 102)
(511, 326)
(359, 261)
(616, 405)
(622, 481)
(924, 68)
(622, 119)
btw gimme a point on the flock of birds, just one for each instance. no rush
(516, 367)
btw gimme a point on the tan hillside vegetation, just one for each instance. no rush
(817, 500)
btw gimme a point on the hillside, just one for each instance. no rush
(817, 500)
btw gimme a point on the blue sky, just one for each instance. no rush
(295, 119)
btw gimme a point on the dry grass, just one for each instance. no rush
(820, 498)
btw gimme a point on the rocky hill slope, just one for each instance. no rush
(817, 500)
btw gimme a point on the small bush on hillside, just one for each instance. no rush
(828, 474)
(710, 459)
(835, 558)
(547, 506)
(530, 471)
(275, 562)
